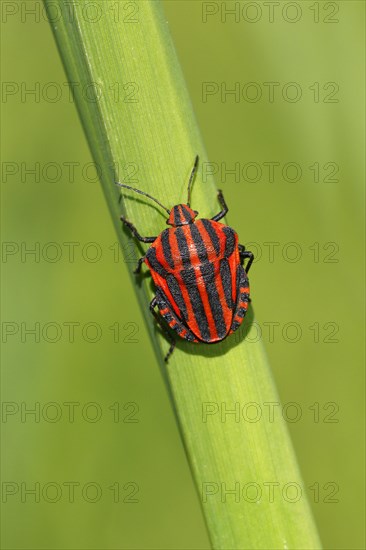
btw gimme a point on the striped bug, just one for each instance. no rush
(202, 288)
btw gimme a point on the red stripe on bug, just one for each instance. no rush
(174, 246)
(227, 312)
(195, 261)
(209, 245)
(191, 319)
(234, 261)
(171, 244)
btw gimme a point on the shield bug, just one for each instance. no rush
(202, 287)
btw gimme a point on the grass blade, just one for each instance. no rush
(136, 112)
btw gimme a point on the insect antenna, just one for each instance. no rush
(142, 193)
(191, 180)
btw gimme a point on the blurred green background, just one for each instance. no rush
(102, 452)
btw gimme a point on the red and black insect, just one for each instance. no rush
(202, 288)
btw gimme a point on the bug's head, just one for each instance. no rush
(181, 214)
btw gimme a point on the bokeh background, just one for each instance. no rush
(101, 451)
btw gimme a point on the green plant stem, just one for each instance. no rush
(135, 110)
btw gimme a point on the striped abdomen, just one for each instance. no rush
(195, 266)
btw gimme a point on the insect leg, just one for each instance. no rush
(245, 254)
(135, 233)
(139, 265)
(167, 334)
(224, 206)
(242, 300)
